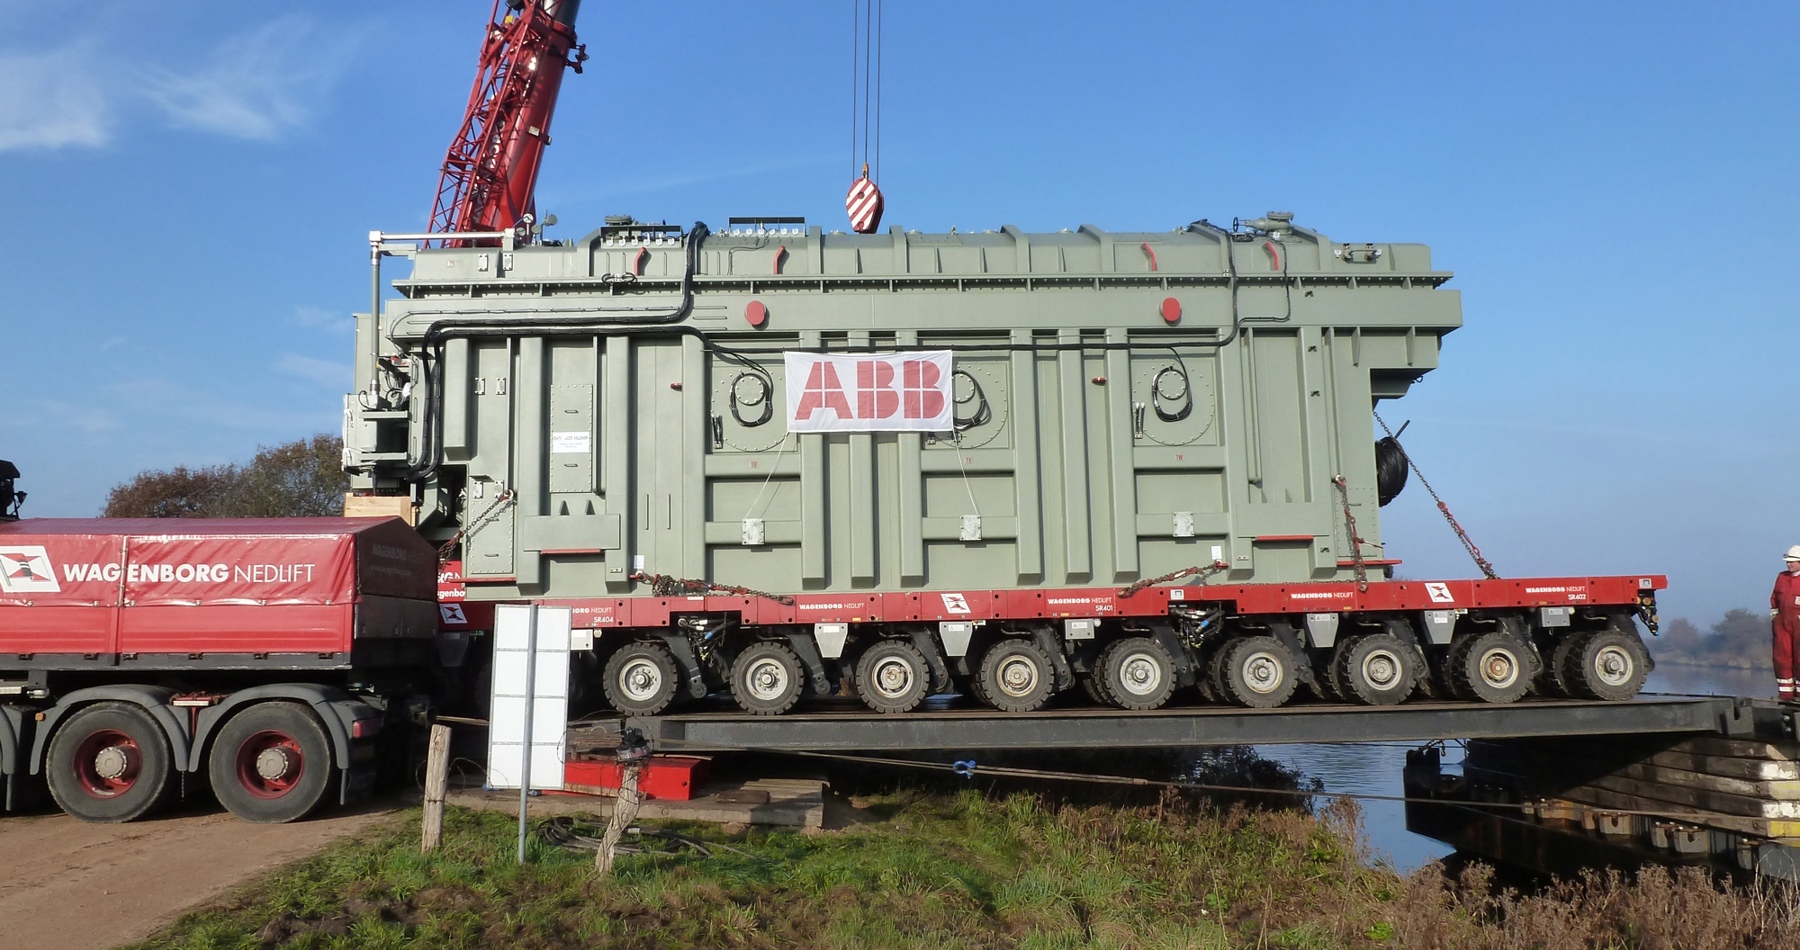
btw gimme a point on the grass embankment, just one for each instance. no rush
(945, 871)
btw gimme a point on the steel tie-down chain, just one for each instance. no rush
(663, 585)
(1461, 535)
(1356, 541)
(445, 549)
(1196, 571)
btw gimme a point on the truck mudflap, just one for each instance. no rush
(16, 724)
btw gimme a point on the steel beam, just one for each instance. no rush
(1093, 728)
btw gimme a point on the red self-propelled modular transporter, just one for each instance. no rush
(142, 659)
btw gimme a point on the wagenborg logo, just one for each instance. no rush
(453, 614)
(1440, 593)
(955, 603)
(25, 569)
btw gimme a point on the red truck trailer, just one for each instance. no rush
(141, 660)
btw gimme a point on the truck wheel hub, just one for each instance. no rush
(1141, 675)
(1262, 672)
(893, 677)
(276, 764)
(1613, 666)
(1499, 668)
(768, 679)
(1381, 670)
(114, 762)
(1018, 677)
(642, 680)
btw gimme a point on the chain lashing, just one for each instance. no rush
(664, 585)
(1356, 541)
(449, 547)
(1468, 543)
(1216, 567)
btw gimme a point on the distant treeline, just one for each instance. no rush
(299, 479)
(1740, 639)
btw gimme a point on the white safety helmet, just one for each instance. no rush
(1794, 553)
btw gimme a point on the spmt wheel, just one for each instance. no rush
(1375, 669)
(1491, 666)
(110, 762)
(1556, 672)
(1258, 671)
(641, 679)
(1016, 676)
(1139, 673)
(766, 679)
(892, 677)
(1093, 686)
(271, 763)
(1606, 664)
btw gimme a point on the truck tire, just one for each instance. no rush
(1016, 676)
(1139, 673)
(892, 677)
(1093, 686)
(1375, 669)
(271, 763)
(110, 762)
(641, 679)
(1491, 666)
(1556, 672)
(1259, 672)
(767, 679)
(1605, 664)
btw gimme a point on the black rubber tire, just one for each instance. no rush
(892, 677)
(1093, 687)
(1137, 673)
(1207, 678)
(1556, 671)
(780, 679)
(1491, 666)
(1260, 672)
(1325, 683)
(641, 679)
(1375, 669)
(1016, 676)
(114, 729)
(1606, 664)
(238, 750)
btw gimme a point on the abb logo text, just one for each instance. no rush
(892, 393)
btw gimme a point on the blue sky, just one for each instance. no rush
(185, 191)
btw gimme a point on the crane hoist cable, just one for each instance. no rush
(864, 202)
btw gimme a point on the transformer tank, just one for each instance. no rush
(1126, 405)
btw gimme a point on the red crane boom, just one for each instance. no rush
(491, 168)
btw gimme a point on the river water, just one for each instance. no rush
(1374, 768)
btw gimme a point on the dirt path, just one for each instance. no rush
(76, 886)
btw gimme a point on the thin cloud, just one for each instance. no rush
(85, 418)
(323, 372)
(52, 100)
(254, 86)
(322, 319)
(258, 85)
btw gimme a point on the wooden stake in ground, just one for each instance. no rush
(437, 779)
(625, 809)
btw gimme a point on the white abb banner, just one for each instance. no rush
(897, 392)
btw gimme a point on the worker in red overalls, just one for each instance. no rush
(1784, 624)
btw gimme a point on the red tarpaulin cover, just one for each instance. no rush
(62, 579)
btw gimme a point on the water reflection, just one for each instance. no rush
(1374, 768)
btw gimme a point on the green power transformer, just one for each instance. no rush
(1107, 406)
